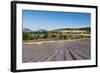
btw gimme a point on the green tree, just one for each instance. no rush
(26, 36)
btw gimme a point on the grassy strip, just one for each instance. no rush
(53, 41)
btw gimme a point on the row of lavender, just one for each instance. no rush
(57, 51)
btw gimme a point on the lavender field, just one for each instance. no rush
(56, 51)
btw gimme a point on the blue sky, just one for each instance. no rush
(51, 20)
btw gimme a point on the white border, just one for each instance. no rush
(35, 65)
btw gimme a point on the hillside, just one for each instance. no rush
(83, 28)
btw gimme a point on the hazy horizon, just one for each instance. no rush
(53, 29)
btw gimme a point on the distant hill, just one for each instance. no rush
(42, 30)
(62, 29)
(83, 28)
(27, 30)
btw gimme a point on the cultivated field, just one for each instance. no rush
(56, 50)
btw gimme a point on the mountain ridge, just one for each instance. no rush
(42, 30)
